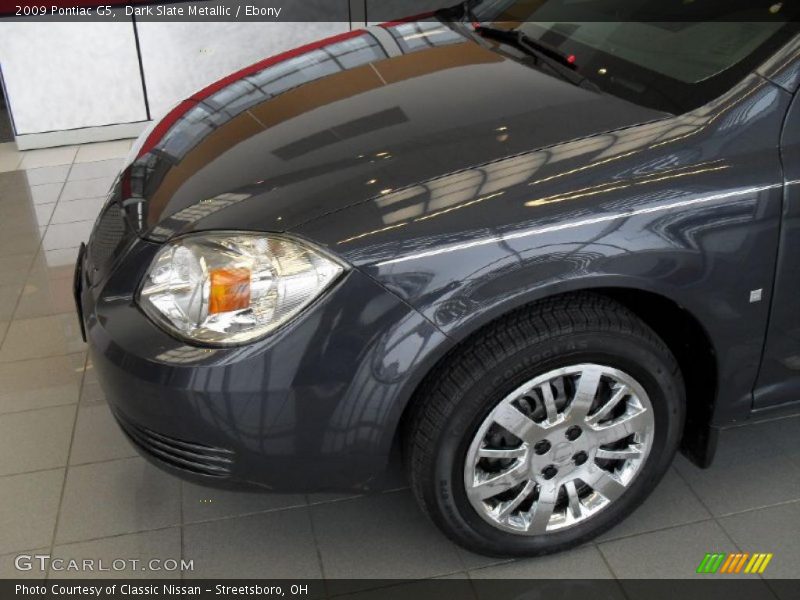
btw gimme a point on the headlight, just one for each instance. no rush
(230, 288)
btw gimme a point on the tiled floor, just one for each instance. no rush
(71, 486)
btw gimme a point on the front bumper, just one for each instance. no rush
(314, 406)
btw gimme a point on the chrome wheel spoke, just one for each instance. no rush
(510, 418)
(543, 507)
(632, 451)
(585, 393)
(498, 484)
(549, 403)
(608, 486)
(622, 427)
(520, 452)
(505, 508)
(573, 499)
(604, 411)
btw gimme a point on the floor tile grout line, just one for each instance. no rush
(102, 198)
(736, 512)
(757, 508)
(29, 410)
(317, 549)
(19, 360)
(40, 246)
(117, 535)
(34, 472)
(66, 469)
(607, 563)
(657, 530)
(692, 490)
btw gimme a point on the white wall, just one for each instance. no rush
(61, 76)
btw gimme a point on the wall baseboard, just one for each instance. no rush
(105, 133)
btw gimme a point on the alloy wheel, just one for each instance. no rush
(559, 449)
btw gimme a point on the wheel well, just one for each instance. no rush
(687, 340)
(692, 348)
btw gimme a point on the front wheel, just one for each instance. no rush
(546, 428)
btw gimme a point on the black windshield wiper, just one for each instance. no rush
(559, 63)
(526, 43)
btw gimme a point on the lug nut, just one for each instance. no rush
(573, 433)
(541, 447)
(549, 472)
(580, 458)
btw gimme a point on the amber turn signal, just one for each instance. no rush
(230, 290)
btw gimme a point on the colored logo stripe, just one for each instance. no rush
(722, 562)
(758, 563)
(711, 562)
(735, 562)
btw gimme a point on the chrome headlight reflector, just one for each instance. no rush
(228, 288)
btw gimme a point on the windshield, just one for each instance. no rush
(669, 55)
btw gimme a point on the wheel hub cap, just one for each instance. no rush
(559, 449)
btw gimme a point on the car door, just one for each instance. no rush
(779, 378)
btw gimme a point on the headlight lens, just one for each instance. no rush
(231, 288)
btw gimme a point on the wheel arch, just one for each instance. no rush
(676, 325)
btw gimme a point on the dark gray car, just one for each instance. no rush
(534, 259)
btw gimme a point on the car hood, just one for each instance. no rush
(344, 120)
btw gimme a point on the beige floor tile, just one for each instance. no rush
(47, 291)
(121, 496)
(87, 188)
(585, 562)
(9, 162)
(41, 337)
(95, 170)
(14, 268)
(9, 294)
(34, 440)
(98, 437)
(45, 193)
(78, 210)
(103, 151)
(48, 157)
(41, 382)
(28, 508)
(40, 175)
(67, 235)
(162, 545)
(61, 257)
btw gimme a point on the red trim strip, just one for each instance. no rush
(272, 60)
(164, 125)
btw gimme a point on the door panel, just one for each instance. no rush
(779, 378)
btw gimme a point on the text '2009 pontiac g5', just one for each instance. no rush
(532, 257)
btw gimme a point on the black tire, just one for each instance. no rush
(460, 392)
